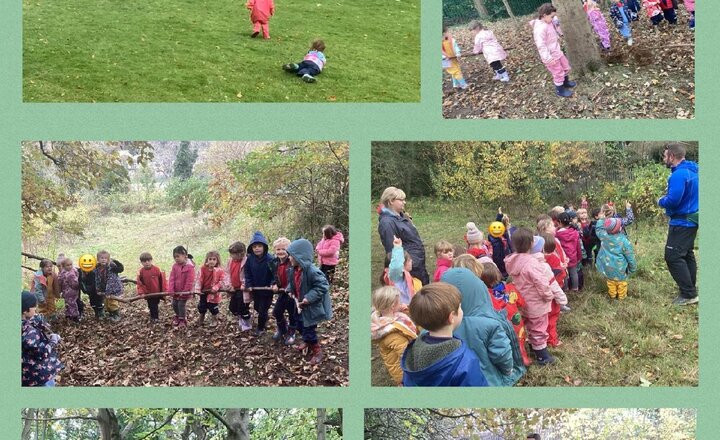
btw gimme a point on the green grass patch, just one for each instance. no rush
(199, 51)
(643, 341)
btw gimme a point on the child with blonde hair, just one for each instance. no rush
(530, 277)
(488, 45)
(598, 22)
(69, 288)
(467, 261)
(616, 259)
(547, 33)
(108, 284)
(444, 252)
(398, 265)
(209, 283)
(45, 288)
(391, 329)
(451, 59)
(284, 302)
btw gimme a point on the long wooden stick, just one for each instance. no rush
(35, 257)
(163, 294)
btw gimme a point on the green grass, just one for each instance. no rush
(642, 341)
(199, 51)
(125, 236)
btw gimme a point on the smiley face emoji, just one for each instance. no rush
(87, 263)
(496, 229)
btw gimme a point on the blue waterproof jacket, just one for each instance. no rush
(682, 194)
(486, 331)
(258, 272)
(314, 287)
(458, 369)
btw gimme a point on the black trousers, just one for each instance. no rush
(497, 67)
(329, 272)
(153, 307)
(237, 306)
(204, 305)
(97, 302)
(309, 68)
(261, 303)
(285, 303)
(680, 259)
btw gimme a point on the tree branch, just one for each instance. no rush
(57, 162)
(459, 416)
(51, 419)
(215, 413)
(35, 257)
(167, 420)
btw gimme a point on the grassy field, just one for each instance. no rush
(198, 51)
(642, 341)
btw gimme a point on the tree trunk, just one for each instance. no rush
(109, 425)
(481, 8)
(238, 419)
(508, 8)
(582, 48)
(27, 424)
(321, 416)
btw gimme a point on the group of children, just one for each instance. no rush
(547, 35)
(314, 61)
(470, 325)
(253, 275)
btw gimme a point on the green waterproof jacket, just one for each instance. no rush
(486, 331)
(313, 286)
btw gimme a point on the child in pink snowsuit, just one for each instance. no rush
(597, 20)
(546, 33)
(488, 45)
(260, 13)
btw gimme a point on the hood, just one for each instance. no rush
(381, 326)
(258, 237)
(385, 211)
(514, 263)
(442, 371)
(301, 250)
(475, 297)
(339, 237)
(567, 233)
(686, 165)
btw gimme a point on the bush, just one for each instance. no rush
(189, 193)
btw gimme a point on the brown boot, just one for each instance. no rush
(317, 354)
(301, 346)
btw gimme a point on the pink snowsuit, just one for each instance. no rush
(260, 13)
(490, 47)
(70, 290)
(531, 279)
(597, 20)
(547, 40)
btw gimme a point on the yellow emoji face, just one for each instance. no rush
(87, 263)
(496, 229)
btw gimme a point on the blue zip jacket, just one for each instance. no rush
(460, 368)
(257, 270)
(682, 194)
(487, 332)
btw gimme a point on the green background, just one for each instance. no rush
(359, 124)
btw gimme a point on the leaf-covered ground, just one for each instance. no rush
(134, 352)
(653, 79)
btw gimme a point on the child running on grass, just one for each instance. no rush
(69, 288)
(530, 277)
(451, 60)
(437, 358)
(40, 363)
(209, 284)
(391, 329)
(260, 13)
(309, 287)
(489, 46)
(312, 65)
(616, 259)
(150, 279)
(547, 33)
(180, 284)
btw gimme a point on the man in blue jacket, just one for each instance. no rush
(681, 204)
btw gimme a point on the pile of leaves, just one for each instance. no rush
(653, 79)
(135, 352)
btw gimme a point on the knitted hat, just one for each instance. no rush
(28, 300)
(613, 225)
(474, 235)
(538, 244)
